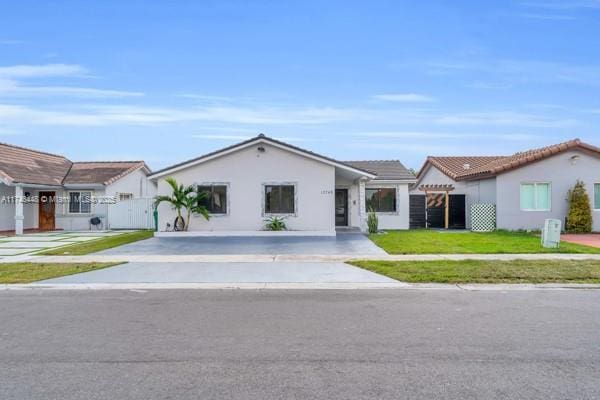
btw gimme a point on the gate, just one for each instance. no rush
(417, 206)
(131, 214)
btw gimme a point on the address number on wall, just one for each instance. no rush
(326, 191)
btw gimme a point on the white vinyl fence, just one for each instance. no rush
(131, 214)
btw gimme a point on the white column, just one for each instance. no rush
(362, 204)
(19, 210)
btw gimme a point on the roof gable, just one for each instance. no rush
(22, 165)
(488, 166)
(253, 141)
(101, 172)
(524, 158)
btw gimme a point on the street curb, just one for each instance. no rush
(215, 258)
(298, 286)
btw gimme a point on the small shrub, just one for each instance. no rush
(372, 221)
(579, 218)
(275, 224)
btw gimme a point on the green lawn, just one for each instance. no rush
(479, 271)
(97, 245)
(30, 272)
(421, 241)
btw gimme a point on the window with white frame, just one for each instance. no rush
(381, 199)
(535, 196)
(596, 196)
(125, 196)
(280, 199)
(214, 199)
(80, 202)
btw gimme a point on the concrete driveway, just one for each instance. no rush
(343, 243)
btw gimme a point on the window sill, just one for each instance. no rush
(280, 215)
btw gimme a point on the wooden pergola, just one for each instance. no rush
(442, 188)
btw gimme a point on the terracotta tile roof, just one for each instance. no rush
(27, 166)
(384, 169)
(520, 159)
(100, 172)
(482, 167)
(22, 165)
(454, 167)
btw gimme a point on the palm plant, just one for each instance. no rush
(183, 197)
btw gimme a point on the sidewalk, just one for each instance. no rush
(226, 258)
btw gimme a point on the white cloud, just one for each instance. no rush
(11, 84)
(138, 115)
(9, 88)
(444, 135)
(39, 71)
(505, 119)
(404, 97)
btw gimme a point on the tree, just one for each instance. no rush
(579, 219)
(183, 197)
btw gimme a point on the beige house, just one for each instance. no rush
(524, 188)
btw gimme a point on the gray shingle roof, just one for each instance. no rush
(384, 169)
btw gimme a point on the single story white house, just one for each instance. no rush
(262, 177)
(57, 193)
(524, 188)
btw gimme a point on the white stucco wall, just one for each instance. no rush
(393, 220)
(136, 183)
(245, 171)
(562, 175)
(68, 221)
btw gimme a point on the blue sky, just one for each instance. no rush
(166, 81)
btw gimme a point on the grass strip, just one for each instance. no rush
(24, 272)
(487, 271)
(422, 241)
(93, 246)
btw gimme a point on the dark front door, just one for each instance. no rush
(417, 206)
(457, 211)
(341, 207)
(47, 209)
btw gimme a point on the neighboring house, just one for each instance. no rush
(263, 177)
(526, 188)
(58, 192)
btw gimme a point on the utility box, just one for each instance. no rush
(551, 233)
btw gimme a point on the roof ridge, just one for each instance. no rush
(108, 162)
(249, 141)
(14, 146)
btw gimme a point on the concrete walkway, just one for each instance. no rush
(286, 272)
(269, 258)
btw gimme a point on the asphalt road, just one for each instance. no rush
(385, 344)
